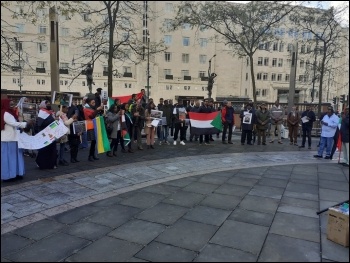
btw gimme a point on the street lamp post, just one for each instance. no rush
(293, 74)
(148, 75)
(19, 65)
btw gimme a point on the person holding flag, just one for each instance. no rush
(114, 116)
(344, 134)
(127, 127)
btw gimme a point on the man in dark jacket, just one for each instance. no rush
(228, 120)
(195, 108)
(247, 122)
(179, 114)
(138, 118)
(204, 109)
(344, 131)
(168, 114)
(307, 126)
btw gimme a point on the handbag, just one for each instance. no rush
(109, 128)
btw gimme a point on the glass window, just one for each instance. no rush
(18, 46)
(260, 61)
(287, 77)
(281, 48)
(168, 23)
(42, 47)
(266, 61)
(64, 65)
(20, 28)
(289, 62)
(185, 58)
(202, 59)
(201, 74)
(169, 87)
(169, 7)
(265, 92)
(64, 49)
(42, 30)
(127, 69)
(280, 62)
(185, 73)
(43, 82)
(274, 62)
(273, 77)
(203, 42)
(168, 40)
(186, 41)
(279, 77)
(302, 63)
(38, 81)
(186, 26)
(258, 76)
(64, 31)
(41, 64)
(275, 46)
(265, 76)
(167, 72)
(167, 56)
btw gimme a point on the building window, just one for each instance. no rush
(64, 32)
(301, 77)
(280, 62)
(127, 69)
(167, 72)
(185, 58)
(105, 84)
(169, 7)
(258, 92)
(20, 28)
(289, 62)
(167, 56)
(168, 40)
(185, 73)
(290, 47)
(168, 23)
(281, 47)
(61, 82)
(41, 12)
(42, 30)
(86, 17)
(14, 80)
(266, 61)
(279, 77)
(201, 74)
(273, 77)
(185, 41)
(38, 81)
(275, 46)
(64, 65)
(202, 28)
(246, 76)
(66, 82)
(42, 47)
(202, 59)
(41, 64)
(302, 49)
(64, 50)
(43, 82)
(83, 83)
(265, 76)
(308, 49)
(286, 78)
(274, 62)
(302, 63)
(169, 87)
(186, 26)
(18, 46)
(258, 76)
(260, 61)
(203, 42)
(265, 92)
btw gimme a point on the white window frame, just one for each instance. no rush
(203, 42)
(202, 59)
(42, 48)
(265, 76)
(167, 72)
(273, 76)
(167, 56)
(280, 62)
(20, 28)
(266, 61)
(279, 77)
(41, 64)
(185, 73)
(185, 41)
(168, 39)
(64, 32)
(274, 62)
(42, 29)
(260, 61)
(185, 58)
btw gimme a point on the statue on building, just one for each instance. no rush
(211, 77)
(89, 79)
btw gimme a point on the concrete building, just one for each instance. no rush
(181, 71)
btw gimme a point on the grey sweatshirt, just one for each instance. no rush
(277, 115)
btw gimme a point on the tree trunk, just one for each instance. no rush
(321, 79)
(110, 62)
(251, 61)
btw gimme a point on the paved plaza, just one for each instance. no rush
(177, 203)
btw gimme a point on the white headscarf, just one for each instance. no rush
(19, 104)
(42, 104)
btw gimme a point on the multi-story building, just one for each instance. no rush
(180, 71)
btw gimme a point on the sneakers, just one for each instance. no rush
(174, 143)
(271, 141)
(160, 143)
(168, 143)
(328, 157)
(182, 143)
(280, 142)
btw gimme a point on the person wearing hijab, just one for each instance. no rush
(47, 156)
(12, 162)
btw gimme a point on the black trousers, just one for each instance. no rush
(74, 142)
(116, 141)
(306, 132)
(92, 148)
(228, 126)
(335, 141)
(182, 131)
(246, 134)
(206, 138)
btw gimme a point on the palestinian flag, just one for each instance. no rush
(124, 131)
(102, 142)
(125, 99)
(205, 123)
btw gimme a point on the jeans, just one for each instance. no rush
(62, 146)
(325, 141)
(84, 143)
(165, 132)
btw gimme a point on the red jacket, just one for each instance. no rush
(223, 115)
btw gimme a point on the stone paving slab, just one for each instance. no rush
(208, 215)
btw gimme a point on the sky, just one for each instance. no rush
(325, 5)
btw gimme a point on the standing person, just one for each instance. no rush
(149, 129)
(142, 95)
(84, 142)
(73, 139)
(228, 120)
(160, 128)
(307, 126)
(179, 113)
(90, 112)
(129, 124)
(138, 117)
(276, 113)
(114, 116)
(195, 108)
(64, 139)
(172, 118)
(293, 120)
(262, 121)
(12, 160)
(47, 156)
(329, 126)
(247, 128)
(344, 133)
(204, 109)
(168, 114)
(212, 108)
(98, 97)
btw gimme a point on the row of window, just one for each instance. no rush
(170, 87)
(43, 30)
(184, 73)
(265, 62)
(168, 40)
(278, 77)
(185, 58)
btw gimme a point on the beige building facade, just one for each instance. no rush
(180, 71)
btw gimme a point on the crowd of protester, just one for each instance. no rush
(136, 113)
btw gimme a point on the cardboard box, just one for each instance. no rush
(338, 227)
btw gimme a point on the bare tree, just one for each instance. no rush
(328, 41)
(243, 27)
